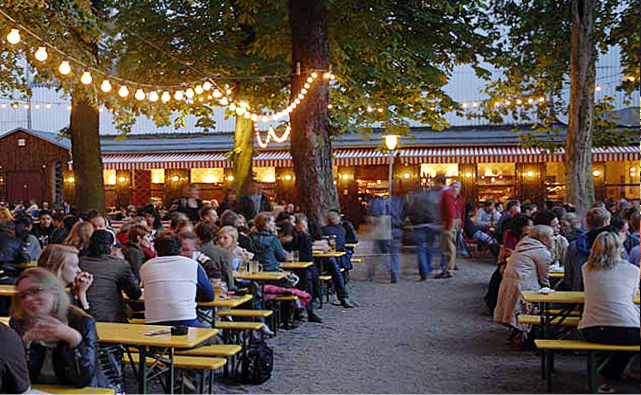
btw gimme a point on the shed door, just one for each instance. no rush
(24, 186)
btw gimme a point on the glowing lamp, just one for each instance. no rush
(41, 54)
(391, 141)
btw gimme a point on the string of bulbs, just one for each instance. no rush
(165, 94)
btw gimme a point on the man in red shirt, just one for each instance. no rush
(452, 205)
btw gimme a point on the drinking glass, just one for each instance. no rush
(254, 266)
(296, 256)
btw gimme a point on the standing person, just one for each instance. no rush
(191, 205)
(254, 202)
(527, 270)
(61, 340)
(609, 315)
(229, 203)
(112, 276)
(173, 284)
(425, 217)
(44, 229)
(512, 209)
(392, 247)
(451, 213)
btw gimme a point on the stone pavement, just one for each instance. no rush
(411, 337)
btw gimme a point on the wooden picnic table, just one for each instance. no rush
(133, 335)
(351, 245)
(58, 389)
(7, 290)
(26, 265)
(261, 276)
(556, 274)
(295, 265)
(334, 254)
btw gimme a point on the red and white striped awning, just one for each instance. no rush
(365, 157)
(165, 161)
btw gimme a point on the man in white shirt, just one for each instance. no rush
(173, 284)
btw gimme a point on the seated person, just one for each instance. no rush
(477, 233)
(230, 218)
(62, 261)
(269, 250)
(132, 249)
(11, 252)
(173, 284)
(79, 236)
(307, 276)
(548, 218)
(60, 339)
(14, 374)
(634, 257)
(220, 260)
(112, 276)
(228, 240)
(609, 315)
(487, 215)
(331, 264)
(208, 214)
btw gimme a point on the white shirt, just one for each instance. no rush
(608, 296)
(170, 288)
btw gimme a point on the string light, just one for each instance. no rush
(165, 97)
(41, 54)
(123, 91)
(64, 68)
(178, 95)
(105, 86)
(207, 85)
(153, 96)
(199, 90)
(140, 94)
(86, 78)
(189, 93)
(14, 36)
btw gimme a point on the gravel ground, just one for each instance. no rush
(411, 337)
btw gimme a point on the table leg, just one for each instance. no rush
(172, 377)
(592, 372)
(142, 370)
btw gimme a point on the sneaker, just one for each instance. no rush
(606, 388)
(312, 317)
(444, 274)
(347, 304)
(266, 331)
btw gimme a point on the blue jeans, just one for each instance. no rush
(425, 240)
(331, 266)
(196, 323)
(393, 248)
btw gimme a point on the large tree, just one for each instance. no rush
(546, 48)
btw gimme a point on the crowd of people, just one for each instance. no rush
(84, 266)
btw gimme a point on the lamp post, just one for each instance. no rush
(391, 141)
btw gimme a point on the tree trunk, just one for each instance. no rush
(578, 150)
(87, 160)
(242, 155)
(310, 148)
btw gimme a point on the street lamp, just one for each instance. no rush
(391, 141)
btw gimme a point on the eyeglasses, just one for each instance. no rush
(35, 291)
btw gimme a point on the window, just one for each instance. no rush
(109, 177)
(206, 176)
(622, 180)
(496, 181)
(22, 142)
(157, 176)
(555, 180)
(265, 174)
(432, 169)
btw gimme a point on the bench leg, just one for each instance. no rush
(543, 364)
(550, 368)
(592, 372)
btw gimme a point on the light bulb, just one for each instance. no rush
(541, 99)
(247, 115)
(475, 104)
(265, 118)
(14, 36)
(228, 92)
(329, 106)
(243, 104)
(123, 91)
(217, 93)
(140, 94)
(207, 85)
(326, 75)
(153, 96)
(519, 101)
(178, 95)
(598, 88)
(165, 97)
(239, 110)
(105, 86)
(301, 96)
(303, 91)
(254, 118)
(232, 107)
(189, 93)
(307, 85)
(41, 54)
(224, 101)
(199, 90)
(310, 79)
(64, 67)
(86, 78)
(332, 76)
(530, 100)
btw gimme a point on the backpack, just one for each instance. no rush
(492, 295)
(256, 364)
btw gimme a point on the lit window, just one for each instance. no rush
(157, 176)
(109, 177)
(264, 174)
(206, 176)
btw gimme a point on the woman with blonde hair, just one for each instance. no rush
(228, 240)
(610, 315)
(80, 236)
(5, 214)
(60, 339)
(526, 270)
(62, 261)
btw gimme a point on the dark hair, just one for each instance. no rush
(58, 217)
(559, 212)
(22, 222)
(45, 212)
(69, 222)
(136, 233)
(634, 220)
(617, 224)
(286, 229)
(91, 214)
(527, 207)
(488, 203)
(100, 243)
(206, 231)
(469, 208)
(283, 216)
(544, 217)
(440, 178)
(187, 236)
(518, 223)
(205, 211)
(229, 218)
(167, 244)
(549, 204)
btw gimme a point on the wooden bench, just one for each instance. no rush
(238, 332)
(59, 389)
(548, 347)
(140, 321)
(240, 313)
(356, 260)
(536, 320)
(228, 351)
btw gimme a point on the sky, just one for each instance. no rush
(49, 109)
